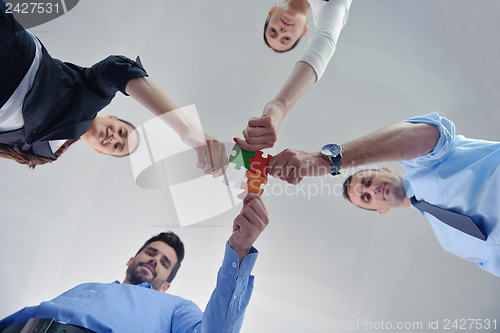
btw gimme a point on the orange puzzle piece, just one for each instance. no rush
(254, 182)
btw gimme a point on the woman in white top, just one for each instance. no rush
(284, 27)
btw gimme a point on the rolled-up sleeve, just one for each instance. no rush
(323, 41)
(113, 73)
(443, 146)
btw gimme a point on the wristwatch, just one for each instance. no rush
(333, 153)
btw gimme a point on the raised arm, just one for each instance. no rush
(211, 153)
(396, 142)
(226, 309)
(262, 132)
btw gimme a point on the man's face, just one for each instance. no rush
(379, 190)
(153, 265)
(108, 135)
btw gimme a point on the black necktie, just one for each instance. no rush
(458, 221)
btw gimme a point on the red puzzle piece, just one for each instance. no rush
(259, 163)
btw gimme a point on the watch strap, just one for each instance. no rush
(336, 163)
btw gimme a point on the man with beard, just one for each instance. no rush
(454, 180)
(139, 304)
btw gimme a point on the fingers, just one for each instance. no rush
(264, 121)
(204, 162)
(218, 156)
(287, 167)
(280, 166)
(255, 211)
(243, 195)
(249, 147)
(257, 135)
(260, 133)
(212, 158)
(249, 224)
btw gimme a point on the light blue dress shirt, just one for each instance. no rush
(461, 175)
(123, 308)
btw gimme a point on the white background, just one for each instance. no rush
(322, 261)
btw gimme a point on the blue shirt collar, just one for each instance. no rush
(144, 284)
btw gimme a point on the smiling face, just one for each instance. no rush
(109, 135)
(378, 190)
(286, 24)
(153, 265)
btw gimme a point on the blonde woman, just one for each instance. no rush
(284, 27)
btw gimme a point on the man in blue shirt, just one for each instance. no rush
(139, 303)
(445, 170)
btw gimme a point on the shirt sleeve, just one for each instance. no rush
(323, 41)
(20, 316)
(113, 73)
(443, 146)
(229, 300)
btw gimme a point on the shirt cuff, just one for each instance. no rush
(231, 260)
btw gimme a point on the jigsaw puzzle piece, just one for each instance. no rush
(254, 182)
(241, 157)
(237, 158)
(234, 175)
(259, 163)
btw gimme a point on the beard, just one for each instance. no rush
(399, 192)
(137, 276)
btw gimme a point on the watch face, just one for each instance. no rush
(331, 149)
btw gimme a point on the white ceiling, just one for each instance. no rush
(322, 261)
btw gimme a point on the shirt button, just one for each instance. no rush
(496, 242)
(234, 263)
(235, 296)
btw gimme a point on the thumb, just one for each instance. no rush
(200, 152)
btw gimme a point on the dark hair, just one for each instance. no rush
(346, 186)
(173, 241)
(277, 51)
(31, 160)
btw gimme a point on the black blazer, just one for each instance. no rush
(65, 99)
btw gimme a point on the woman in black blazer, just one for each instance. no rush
(45, 102)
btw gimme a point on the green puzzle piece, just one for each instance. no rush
(241, 157)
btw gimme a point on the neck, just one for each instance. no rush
(84, 137)
(406, 200)
(126, 281)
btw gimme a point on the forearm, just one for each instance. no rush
(147, 92)
(300, 80)
(396, 142)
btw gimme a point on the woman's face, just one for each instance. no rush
(108, 135)
(286, 25)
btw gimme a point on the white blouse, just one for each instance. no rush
(11, 113)
(329, 18)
